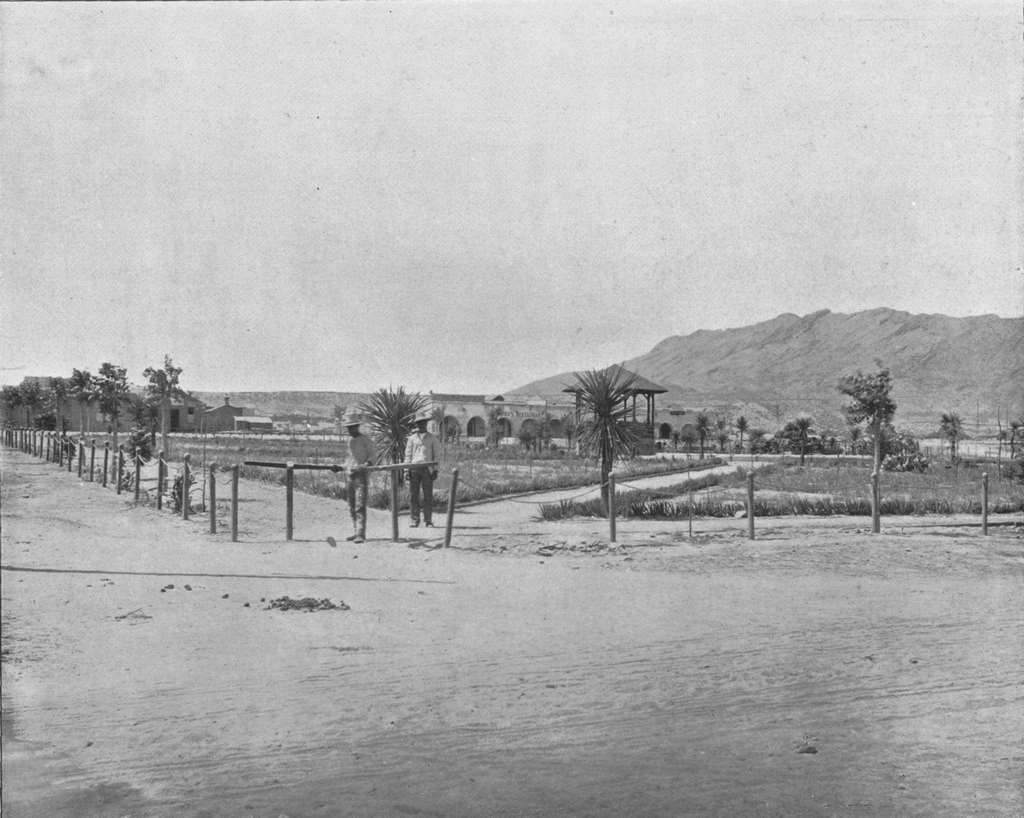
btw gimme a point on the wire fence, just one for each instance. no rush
(184, 490)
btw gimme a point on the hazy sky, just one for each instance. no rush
(468, 196)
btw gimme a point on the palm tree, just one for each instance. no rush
(162, 386)
(952, 428)
(390, 415)
(801, 430)
(703, 427)
(722, 436)
(602, 395)
(112, 391)
(83, 390)
(741, 427)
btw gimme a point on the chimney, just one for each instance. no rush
(227, 400)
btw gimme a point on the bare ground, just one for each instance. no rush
(531, 669)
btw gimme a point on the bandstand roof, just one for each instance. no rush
(641, 385)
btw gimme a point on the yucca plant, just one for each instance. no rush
(389, 414)
(603, 395)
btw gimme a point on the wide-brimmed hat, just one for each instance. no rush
(352, 418)
(423, 414)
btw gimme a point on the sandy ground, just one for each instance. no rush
(530, 669)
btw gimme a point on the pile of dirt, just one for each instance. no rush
(307, 604)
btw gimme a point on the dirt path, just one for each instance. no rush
(529, 670)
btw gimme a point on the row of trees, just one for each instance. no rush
(108, 390)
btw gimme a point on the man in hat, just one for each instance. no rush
(422, 447)
(361, 453)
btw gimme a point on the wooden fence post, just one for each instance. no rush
(876, 510)
(92, 459)
(611, 506)
(984, 504)
(394, 505)
(451, 508)
(81, 457)
(60, 451)
(160, 480)
(106, 460)
(750, 505)
(120, 467)
(138, 477)
(289, 499)
(213, 498)
(234, 503)
(186, 488)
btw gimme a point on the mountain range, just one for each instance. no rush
(773, 370)
(791, 364)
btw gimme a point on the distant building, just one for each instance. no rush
(221, 418)
(253, 423)
(466, 417)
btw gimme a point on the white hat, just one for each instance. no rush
(423, 414)
(352, 418)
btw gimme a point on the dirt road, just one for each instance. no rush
(529, 670)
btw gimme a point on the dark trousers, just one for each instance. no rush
(421, 484)
(357, 490)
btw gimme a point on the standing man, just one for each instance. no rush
(422, 447)
(361, 453)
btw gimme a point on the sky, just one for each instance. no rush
(467, 196)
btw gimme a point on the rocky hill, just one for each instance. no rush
(791, 364)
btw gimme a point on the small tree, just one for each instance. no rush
(162, 387)
(688, 435)
(83, 390)
(59, 390)
(854, 435)
(723, 440)
(112, 392)
(12, 400)
(602, 395)
(872, 404)
(495, 415)
(757, 441)
(32, 398)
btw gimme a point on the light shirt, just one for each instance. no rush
(360, 452)
(421, 447)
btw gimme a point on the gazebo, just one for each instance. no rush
(642, 428)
